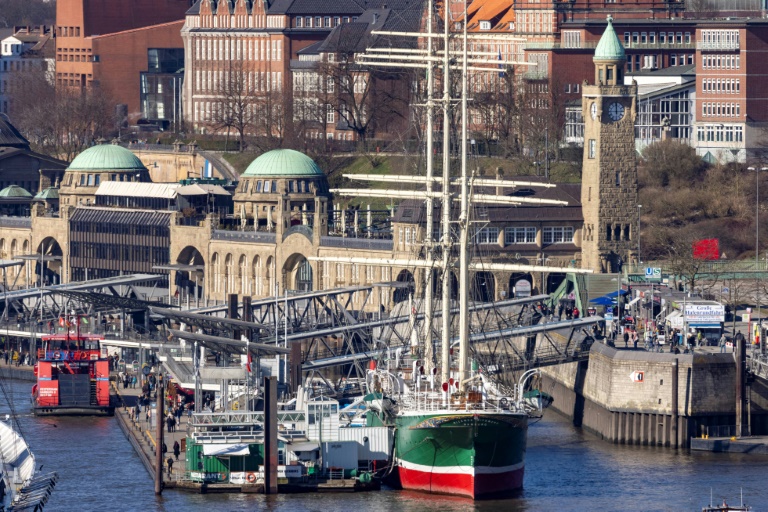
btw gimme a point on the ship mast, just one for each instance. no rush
(464, 223)
(445, 363)
(429, 228)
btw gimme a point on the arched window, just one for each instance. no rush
(257, 277)
(242, 270)
(216, 263)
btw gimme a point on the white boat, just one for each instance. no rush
(22, 487)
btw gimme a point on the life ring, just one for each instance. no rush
(57, 355)
(251, 477)
(504, 403)
(223, 476)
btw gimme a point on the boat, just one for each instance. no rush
(458, 431)
(725, 507)
(22, 487)
(72, 377)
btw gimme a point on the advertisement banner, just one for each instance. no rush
(704, 314)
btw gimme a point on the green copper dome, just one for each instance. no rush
(14, 191)
(106, 157)
(283, 162)
(610, 47)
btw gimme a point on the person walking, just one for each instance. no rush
(626, 338)
(176, 449)
(169, 462)
(634, 339)
(165, 449)
(723, 341)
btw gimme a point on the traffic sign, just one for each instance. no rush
(652, 272)
(638, 377)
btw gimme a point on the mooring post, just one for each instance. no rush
(159, 434)
(675, 440)
(741, 361)
(270, 435)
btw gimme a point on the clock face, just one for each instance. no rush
(593, 110)
(615, 111)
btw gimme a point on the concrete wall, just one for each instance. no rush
(601, 396)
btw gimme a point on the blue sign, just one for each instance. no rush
(608, 317)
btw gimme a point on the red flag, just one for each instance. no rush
(61, 322)
(248, 366)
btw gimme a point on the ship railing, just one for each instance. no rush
(434, 401)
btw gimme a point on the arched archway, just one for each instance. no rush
(191, 281)
(483, 287)
(228, 274)
(437, 285)
(402, 293)
(298, 273)
(242, 276)
(553, 282)
(520, 285)
(257, 276)
(52, 254)
(216, 264)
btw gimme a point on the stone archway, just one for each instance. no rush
(402, 293)
(191, 282)
(298, 273)
(483, 287)
(437, 285)
(52, 254)
(518, 287)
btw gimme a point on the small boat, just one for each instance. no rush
(725, 507)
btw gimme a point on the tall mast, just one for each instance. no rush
(446, 224)
(429, 228)
(464, 223)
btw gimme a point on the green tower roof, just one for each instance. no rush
(48, 193)
(14, 191)
(610, 47)
(283, 162)
(106, 157)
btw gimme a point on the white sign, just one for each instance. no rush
(652, 273)
(638, 377)
(522, 288)
(704, 313)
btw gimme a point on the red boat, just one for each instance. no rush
(72, 377)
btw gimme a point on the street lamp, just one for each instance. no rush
(757, 229)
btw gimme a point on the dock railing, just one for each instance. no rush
(718, 431)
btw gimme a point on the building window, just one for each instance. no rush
(330, 114)
(592, 148)
(327, 21)
(299, 22)
(488, 235)
(557, 235)
(618, 178)
(485, 25)
(522, 235)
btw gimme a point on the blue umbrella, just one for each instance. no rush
(602, 301)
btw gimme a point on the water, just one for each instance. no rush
(566, 470)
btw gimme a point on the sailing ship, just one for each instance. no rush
(460, 432)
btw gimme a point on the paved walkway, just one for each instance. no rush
(146, 434)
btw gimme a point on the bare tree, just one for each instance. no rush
(60, 122)
(367, 100)
(235, 104)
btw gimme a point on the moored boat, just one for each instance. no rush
(72, 377)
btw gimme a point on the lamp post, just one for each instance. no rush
(757, 229)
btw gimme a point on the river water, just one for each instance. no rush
(566, 470)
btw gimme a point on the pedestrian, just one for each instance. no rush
(148, 415)
(626, 338)
(634, 339)
(560, 312)
(133, 382)
(165, 449)
(576, 313)
(168, 424)
(723, 341)
(169, 462)
(189, 412)
(176, 449)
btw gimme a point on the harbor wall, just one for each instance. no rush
(625, 396)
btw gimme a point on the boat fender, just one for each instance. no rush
(251, 477)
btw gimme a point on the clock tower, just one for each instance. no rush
(609, 173)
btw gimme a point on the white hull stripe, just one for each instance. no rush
(465, 470)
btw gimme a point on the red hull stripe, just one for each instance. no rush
(462, 483)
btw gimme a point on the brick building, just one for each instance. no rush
(106, 43)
